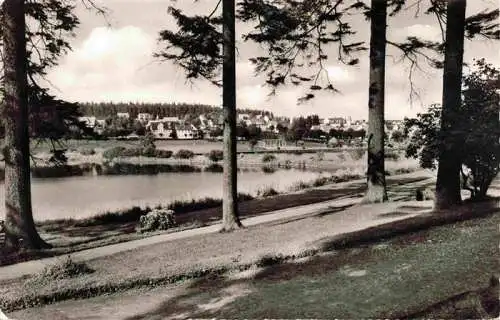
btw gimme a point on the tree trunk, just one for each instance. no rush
(230, 188)
(20, 231)
(448, 177)
(376, 169)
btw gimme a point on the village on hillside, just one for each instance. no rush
(256, 125)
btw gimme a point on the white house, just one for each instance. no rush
(90, 122)
(123, 115)
(164, 128)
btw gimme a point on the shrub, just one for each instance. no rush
(320, 181)
(184, 154)
(267, 192)
(63, 269)
(299, 186)
(157, 219)
(131, 152)
(87, 151)
(268, 158)
(165, 154)
(216, 155)
(245, 197)
(268, 169)
(214, 167)
(114, 152)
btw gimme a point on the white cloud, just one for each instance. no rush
(422, 31)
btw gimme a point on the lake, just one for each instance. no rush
(84, 196)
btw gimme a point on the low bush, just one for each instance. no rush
(157, 219)
(320, 181)
(245, 197)
(184, 154)
(132, 152)
(215, 155)
(62, 269)
(268, 169)
(214, 167)
(267, 192)
(268, 158)
(165, 154)
(300, 185)
(114, 152)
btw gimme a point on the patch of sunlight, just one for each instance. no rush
(230, 294)
(381, 246)
(403, 267)
(246, 274)
(350, 272)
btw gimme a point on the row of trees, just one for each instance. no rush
(291, 30)
(298, 36)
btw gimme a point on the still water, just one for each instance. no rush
(80, 197)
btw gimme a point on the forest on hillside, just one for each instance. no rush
(181, 110)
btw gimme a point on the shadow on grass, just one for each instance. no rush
(216, 296)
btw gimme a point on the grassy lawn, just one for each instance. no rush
(399, 276)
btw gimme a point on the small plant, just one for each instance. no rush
(164, 154)
(267, 192)
(184, 154)
(157, 219)
(268, 158)
(216, 155)
(131, 152)
(245, 197)
(62, 269)
(268, 169)
(113, 153)
(320, 181)
(299, 186)
(214, 167)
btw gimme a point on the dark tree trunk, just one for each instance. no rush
(376, 169)
(448, 177)
(20, 231)
(230, 188)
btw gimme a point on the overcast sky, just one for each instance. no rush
(115, 64)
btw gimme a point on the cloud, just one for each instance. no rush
(422, 31)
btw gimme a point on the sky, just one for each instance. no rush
(112, 60)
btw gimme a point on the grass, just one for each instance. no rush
(185, 258)
(385, 279)
(133, 214)
(62, 269)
